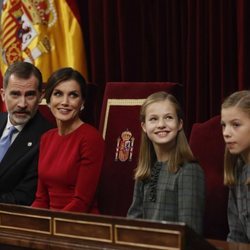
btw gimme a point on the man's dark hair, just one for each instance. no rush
(23, 70)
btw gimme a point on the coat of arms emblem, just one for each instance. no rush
(22, 22)
(124, 146)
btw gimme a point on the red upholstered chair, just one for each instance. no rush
(45, 111)
(207, 144)
(120, 127)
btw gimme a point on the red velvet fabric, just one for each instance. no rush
(116, 184)
(45, 111)
(204, 45)
(207, 144)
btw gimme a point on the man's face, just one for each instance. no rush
(21, 98)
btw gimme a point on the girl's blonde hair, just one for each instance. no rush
(181, 152)
(241, 100)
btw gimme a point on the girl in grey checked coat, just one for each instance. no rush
(169, 184)
(235, 120)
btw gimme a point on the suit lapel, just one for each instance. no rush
(3, 121)
(19, 148)
(26, 141)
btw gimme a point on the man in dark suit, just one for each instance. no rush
(21, 92)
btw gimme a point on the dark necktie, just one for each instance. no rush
(6, 141)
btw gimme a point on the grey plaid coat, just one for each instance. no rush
(174, 197)
(239, 207)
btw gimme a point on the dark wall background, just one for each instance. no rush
(202, 44)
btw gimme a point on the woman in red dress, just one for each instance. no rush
(71, 155)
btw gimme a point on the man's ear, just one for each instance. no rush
(2, 92)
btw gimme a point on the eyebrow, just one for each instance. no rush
(29, 92)
(75, 90)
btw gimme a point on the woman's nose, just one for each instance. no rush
(226, 131)
(161, 123)
(65, 100)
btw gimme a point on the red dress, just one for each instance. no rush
(69, 169)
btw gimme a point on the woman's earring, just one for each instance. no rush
(82, 108)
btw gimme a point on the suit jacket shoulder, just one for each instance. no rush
(18, 168)
(38, 124)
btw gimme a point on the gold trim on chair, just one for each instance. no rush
(118, 102)
(43, 102)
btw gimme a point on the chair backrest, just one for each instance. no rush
(45, 111)
(120, 127)
(207, 144)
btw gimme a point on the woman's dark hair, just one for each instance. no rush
(64, 74)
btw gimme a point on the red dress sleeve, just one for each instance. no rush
(42, 197)
(92, 153)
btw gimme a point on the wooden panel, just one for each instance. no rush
(30, 228)
(99, 232)
(25, 222)
(148, 237)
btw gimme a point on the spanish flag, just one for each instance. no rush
(46, 33)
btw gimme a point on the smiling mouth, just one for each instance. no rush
(162, 133)
(64, 111)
